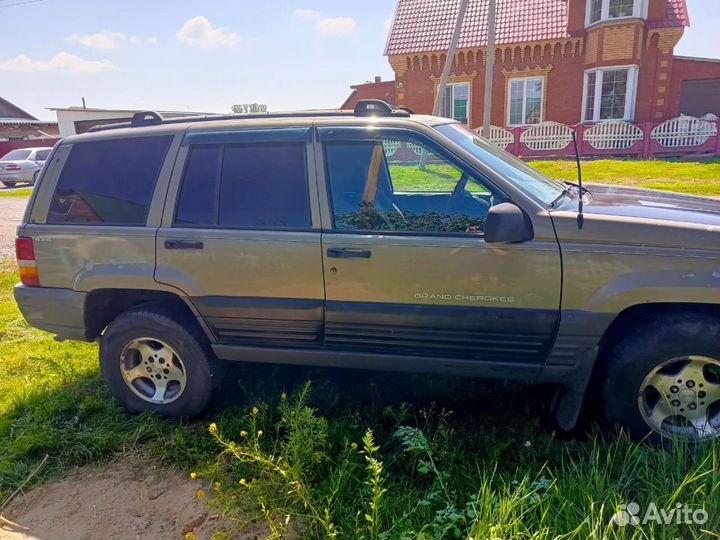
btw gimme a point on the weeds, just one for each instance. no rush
(430, 484)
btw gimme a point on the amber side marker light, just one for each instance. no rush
(25, 252)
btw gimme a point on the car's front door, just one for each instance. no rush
(241, 239)
(407, 270)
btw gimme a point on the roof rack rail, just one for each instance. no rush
(146, 118)
(377, 107)
(364, 107)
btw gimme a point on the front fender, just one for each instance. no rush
(664, 286)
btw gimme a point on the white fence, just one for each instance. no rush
(685, 134)
(684, 131)
(613, 135)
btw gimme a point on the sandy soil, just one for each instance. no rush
(130, 498)
(11, 213)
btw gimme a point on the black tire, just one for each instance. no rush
(639, 353)
(185, 338)
(9, 184)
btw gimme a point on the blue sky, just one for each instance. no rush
(206, 56)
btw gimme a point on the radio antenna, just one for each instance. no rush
(580, 217)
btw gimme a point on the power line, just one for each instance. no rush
(19, 3)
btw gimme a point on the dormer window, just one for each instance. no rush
(607, 10)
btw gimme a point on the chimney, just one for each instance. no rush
(378, 79)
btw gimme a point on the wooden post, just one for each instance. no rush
(489, 69)
(450, 57)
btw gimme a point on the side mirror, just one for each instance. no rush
(507, 223)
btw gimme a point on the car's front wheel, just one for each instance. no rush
(663, 380)
(153, 361)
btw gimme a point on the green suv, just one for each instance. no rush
(374, 239)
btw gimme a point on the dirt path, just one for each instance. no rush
(11, 213)
(127, 499)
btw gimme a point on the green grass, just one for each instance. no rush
(358, 455)
(697, 178)
(17, 193)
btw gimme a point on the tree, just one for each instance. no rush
(246, 108)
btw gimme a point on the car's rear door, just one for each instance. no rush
(407, 270)
(241, 235)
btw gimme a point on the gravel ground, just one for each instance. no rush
(11, 212)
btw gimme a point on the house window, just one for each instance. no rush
(610, 94)
(525, 101)
(456, 102)
(605, 10)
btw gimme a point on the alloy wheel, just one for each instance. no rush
(153, 370)
(680, 398)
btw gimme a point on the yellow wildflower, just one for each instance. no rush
(193, 476)
(244, 434)
(353, 446)
(213, 428)
(243, 482)
(283, 396)
(260, 433)
(255, 410)
(200, 494)
(190, 535)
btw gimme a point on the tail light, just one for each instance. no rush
(12, 168)
(25, 251)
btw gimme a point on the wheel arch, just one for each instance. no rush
(634, 316)
(103, 306)
(584, 393)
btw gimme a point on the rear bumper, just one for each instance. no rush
(24, 176)
(59, 311)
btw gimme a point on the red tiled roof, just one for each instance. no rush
(427, 25)
(676, 14)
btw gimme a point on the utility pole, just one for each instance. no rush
(450, 58)
(489, 68)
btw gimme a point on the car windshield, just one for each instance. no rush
(518, 172)
(16, 155)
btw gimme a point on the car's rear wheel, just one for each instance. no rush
(9, 184)
(663, 380)
(153, 361)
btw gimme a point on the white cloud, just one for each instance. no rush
(100, 40)
(327, 25)
(152, 40)
(338, 25)
(199, 32)
(65, 62)
(308, 14)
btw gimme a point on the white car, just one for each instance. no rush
(22, 165)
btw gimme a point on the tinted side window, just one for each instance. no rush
(42, 155)
(110, 182)
(401, 184)
(265, 186)
(197, 204)
(259, 185)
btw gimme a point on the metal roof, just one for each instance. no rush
(427, 25)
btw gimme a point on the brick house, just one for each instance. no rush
(567, 61)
